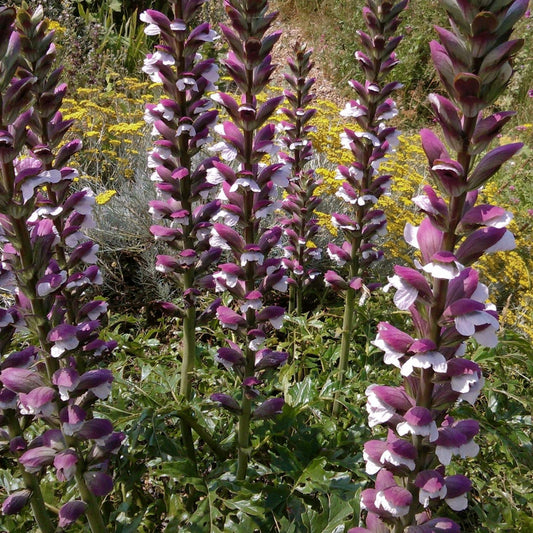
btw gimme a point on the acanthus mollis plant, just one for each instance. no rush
(249, 195)
(446, 300)
(300, 225)
(361, 222)
(182, 121)
(50, 373)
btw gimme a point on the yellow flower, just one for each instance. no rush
(105, 196)
(53, 25)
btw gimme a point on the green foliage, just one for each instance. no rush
(121, 33)
(308, 469)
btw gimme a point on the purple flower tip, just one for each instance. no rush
(14, 503)
(226, 401)
(269, 408)
(99, 483)
(70, 512)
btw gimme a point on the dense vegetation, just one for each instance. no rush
(181, 466)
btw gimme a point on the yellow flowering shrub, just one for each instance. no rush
(111, 126)
(56, 27)
(406, 166)
(326, 139)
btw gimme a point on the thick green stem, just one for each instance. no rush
(243, 431)
(244, 438)
(347, 329)
(292, 298)
(188, 442)
(299, 299)
(93, 514)
(185, 416)
(187, 366)
(38, 506)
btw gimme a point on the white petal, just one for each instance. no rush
(459, 503)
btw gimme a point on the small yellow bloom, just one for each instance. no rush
(105, 196)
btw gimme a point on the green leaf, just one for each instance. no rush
(334, 512)
(303, 393)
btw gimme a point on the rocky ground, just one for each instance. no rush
(323, 88)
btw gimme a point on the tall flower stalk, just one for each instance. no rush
(249, 192)
(300, 224)
(182, 121)
(362, 184)
(49, 331)
(447, 302)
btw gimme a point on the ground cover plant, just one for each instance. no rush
(225, 385)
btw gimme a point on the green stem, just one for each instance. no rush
(244, 438)
(37, 504)
(243, 430)
(347, 329)
(299, 299)
(187, 366)
(185, 416)
(189, 321)
(292, 299)
(94, 516)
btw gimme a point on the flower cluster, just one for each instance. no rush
(301, 224)
(49, 328)
(182, 122)
(362, 184)
(443, 294)
(249, 195)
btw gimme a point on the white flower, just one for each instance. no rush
(405, 295)
(267, 210)
(506, 243)
(459, 503)
(434, 360)
(397, 460)
(29, 184)
(429, 430)
(466, 325)
(282, 284)
(187, 83)
(281, 175)
(425, 496)
(60, 346)
(152, 28)
(227, 152)
(353, 110)
(441, 270)
(468, 385)
(247, 257)
(382, 502)
(245, 183)
(189, 128)
(378, 412)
